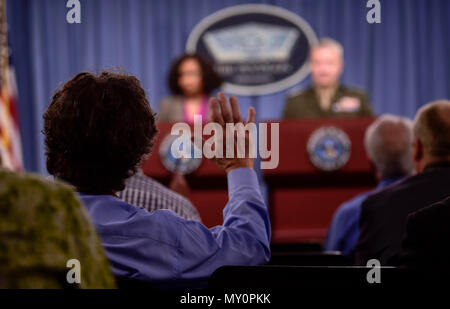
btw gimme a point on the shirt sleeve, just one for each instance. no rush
(243, 239)
(334, 234)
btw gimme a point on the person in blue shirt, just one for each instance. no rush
(388, 143)
(97, 129)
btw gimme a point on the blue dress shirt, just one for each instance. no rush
(168, 251)
(343, 233)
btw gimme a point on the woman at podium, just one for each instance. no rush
(191, 80)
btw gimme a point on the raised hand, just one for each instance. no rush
(223, 111)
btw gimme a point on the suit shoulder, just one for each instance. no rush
(400, 187)
(379, 198)
(375, 198)
(355, 92)
(298, 94)
(170, 100)
(394, 193)
(432, 213)
(169, 108)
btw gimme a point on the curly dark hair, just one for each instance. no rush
(97, 130)
(211, 80)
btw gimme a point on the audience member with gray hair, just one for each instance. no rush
(384, 214)
(388, 142)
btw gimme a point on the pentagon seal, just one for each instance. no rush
(329, 148)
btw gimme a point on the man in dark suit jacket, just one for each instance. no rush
(327, 97)
(383, 215)
(425, 247)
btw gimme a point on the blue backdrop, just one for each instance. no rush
(402, 62)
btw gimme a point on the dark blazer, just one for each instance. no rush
(426, 245)
(306, 104)
(383, 215)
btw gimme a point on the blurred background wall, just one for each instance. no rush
(402, 62)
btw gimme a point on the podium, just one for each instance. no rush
(302, 197)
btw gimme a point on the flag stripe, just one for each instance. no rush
(10, 141)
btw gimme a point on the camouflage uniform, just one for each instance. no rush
(306, 104)
(42, 226)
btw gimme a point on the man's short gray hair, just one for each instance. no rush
(432, 128)
(328, 42)
(388, 143)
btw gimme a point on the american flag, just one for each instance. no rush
(10, 142)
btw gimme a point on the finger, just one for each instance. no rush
(235, 109)
(251, 115)
(226, 108)
(215, 112)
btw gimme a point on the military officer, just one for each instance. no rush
(327, 97)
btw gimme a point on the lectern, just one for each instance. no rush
(303, 195)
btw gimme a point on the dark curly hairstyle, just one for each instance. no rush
(211, 80)
(97, 130)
